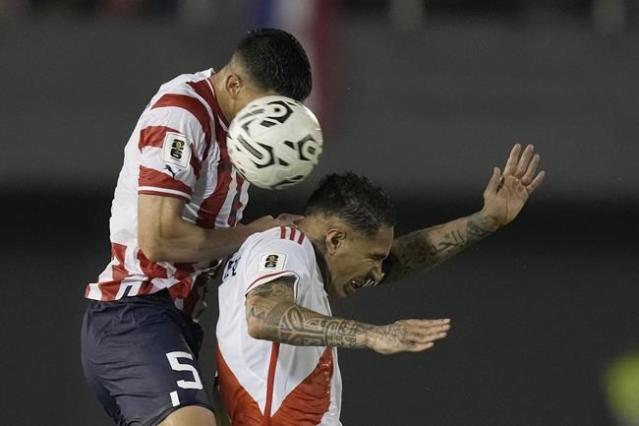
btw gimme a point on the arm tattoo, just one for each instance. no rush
(280, 319)
(423, 249)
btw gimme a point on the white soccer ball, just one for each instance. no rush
(274, 142)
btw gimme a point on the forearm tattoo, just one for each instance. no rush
(423, 249)
(284, 321)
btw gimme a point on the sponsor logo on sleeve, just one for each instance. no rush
(176, 150)
(272, 262)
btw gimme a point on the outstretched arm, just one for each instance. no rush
(271, 314)
(504, 197)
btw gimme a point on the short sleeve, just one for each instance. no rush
(172, 144)
(275, 258)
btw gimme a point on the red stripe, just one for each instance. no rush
(239, 404)
(310, 400)
(301, 238)
(205, 90)
(293, 230)
(146, 287)
(282, 232)
(190, 104)
(118, 270)
(154, 178)
(149, 268)
(180, 290)
(211, 206)
(153, 136)
(275, 351)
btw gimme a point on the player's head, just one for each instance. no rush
(266, 62)
(351, 221)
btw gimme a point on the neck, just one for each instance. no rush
(217, 81)
(315, 231)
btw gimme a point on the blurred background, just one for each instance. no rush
(424, 97)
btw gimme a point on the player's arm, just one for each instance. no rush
(272, 314)
(504, 197)
(164, 236)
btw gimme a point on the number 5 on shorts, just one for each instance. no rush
(173, 357)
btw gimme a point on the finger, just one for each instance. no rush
(420, 348)
(289, 218)
(532, 169)
(422, 336)
(513, 158)
(536, 182)
(494, 181)
(522, 166)
(428, 329)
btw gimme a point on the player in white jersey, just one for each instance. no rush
(276, 357)
(176, 204)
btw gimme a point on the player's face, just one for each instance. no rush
(356, 261)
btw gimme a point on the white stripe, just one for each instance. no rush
(168, 191)
(175, 400)
(94, 292)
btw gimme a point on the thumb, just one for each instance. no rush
(495, 179)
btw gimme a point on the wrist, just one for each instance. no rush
(366, 337)
(486, 221)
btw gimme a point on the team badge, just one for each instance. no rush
(272, 262)
(176, 149)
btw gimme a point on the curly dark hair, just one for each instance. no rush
(276, 61)
(353, 198)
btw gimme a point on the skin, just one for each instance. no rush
(354, 260)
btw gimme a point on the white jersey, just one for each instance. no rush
(177, 149)
(263, 382)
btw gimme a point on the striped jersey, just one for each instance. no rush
(177, 149)
(270, 383)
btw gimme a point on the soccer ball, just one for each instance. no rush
(274, 142)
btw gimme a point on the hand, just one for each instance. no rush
(406, 335)
(268, 222)
(289, 219)
(507, 192)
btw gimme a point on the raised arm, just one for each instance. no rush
(272, 314)
(504, 197)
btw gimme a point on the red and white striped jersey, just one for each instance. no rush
(263, 382)
(177, 149)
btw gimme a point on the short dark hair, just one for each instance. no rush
(353, 198)
(276, 61)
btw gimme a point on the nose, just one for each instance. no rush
(377, 274)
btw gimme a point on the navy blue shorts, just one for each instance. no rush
(139, 354)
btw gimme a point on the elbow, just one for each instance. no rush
(255, 327)
(151, 248)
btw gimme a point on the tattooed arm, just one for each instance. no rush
(423, 249)
(504, 197)
(271, 314)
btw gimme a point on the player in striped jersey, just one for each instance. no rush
(174, 214)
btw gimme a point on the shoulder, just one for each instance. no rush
(277, 246)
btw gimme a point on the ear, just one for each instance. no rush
(233, 85)
(335, 239)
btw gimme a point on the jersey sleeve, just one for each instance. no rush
(172, 144)
(276, 258)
